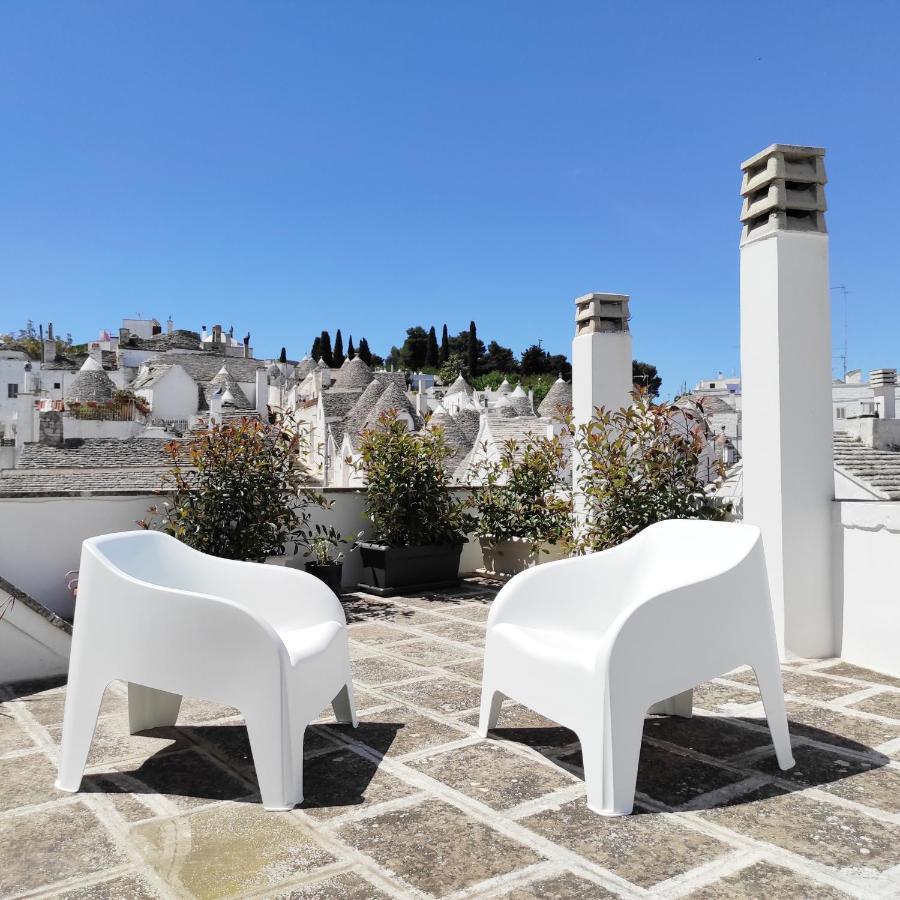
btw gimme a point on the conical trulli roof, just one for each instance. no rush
(460, 385)
(354, 375)
(505, 387)
(225, 380)
(393, 397)
(559, 396)
(91, 384)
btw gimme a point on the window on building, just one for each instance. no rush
(840, 413)
(12, 391)
(56, 385)
(712, 385)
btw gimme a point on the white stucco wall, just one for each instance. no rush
(40, 538)
(174, 396)
(30, 647)
(867, 606)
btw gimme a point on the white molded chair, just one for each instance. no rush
(596, 642)
(170, 620)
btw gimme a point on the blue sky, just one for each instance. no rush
(285, 167)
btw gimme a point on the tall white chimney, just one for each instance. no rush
(786, 341)
(601, 355)
(262, 392)
(884, 387)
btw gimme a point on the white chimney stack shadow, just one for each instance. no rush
(788, 470)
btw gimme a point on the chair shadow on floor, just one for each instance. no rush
(334, 776)
(669, 775)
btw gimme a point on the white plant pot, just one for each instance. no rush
(512, 556)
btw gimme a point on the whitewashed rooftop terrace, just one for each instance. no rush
(414, 804)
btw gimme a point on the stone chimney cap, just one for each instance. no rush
(878, 377)
(783, 190)
(601, 313)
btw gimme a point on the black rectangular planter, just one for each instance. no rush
(330, 573)
(392, 570)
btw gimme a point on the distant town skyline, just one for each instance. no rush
(285, 168)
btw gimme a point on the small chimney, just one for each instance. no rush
(217, 336)
(49, 345)
(170, 325)
(262, 391)
(202, 332)
(884, 387)
(124, 336)
(96, 353)
(601, 314)
(247, 345)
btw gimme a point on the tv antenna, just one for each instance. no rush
(843, 354)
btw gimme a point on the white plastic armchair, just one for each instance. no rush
(170, 620)
(596, 642)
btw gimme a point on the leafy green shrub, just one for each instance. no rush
(239, 491)
(636, 466)
(409, 495)
(522, 494)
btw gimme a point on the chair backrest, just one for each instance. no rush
(153, 557)
(684, 551)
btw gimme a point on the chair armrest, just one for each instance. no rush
(581, 592)
(283, 596)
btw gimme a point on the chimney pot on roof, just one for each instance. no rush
(784, 190)
(601, 313)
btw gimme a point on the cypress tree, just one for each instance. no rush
(364, 353)
(445, 345)
(283, 357)
(338, 352)
(432, 354)
(327, 356)
(472, 355)
(350, 351)
(316, 352)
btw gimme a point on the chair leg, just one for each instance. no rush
(151, 708)
(344, 705)
(610, 752)
(491, 701)
(771, 688)
(679, 705)
(83, 698)
(279, 765)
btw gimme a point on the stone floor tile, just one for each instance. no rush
(433, 653)
(716, 736)
(112, 742)
(464, 632)
(848, 670)
(472, 668)
(825, 833)
(365, 608)
(62, 841)
(376, 633)
(13, 735)
(343, 781)
(396, 732)
(413, 616)
(803, 684)
(514, 715)
(47, 707)
(473, 613)
(132, 807)
(26, 780)
(827, 726)
(493, 774)
(884, 704)
(229, 850)
(189, 778)
(879, 788)
(444, 695)
(124, 887)
(816, 768)
(715, 697)
(379, 669)
(644, 848)
(346, 886)
(436, 848)
(672, 778)
(194, 711)
(764, 880)
(567, 886)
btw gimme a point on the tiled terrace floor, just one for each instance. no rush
(413, 804)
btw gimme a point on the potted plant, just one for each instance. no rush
(524, 510)
(418, 522)
(323, 544)
(238, 491)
